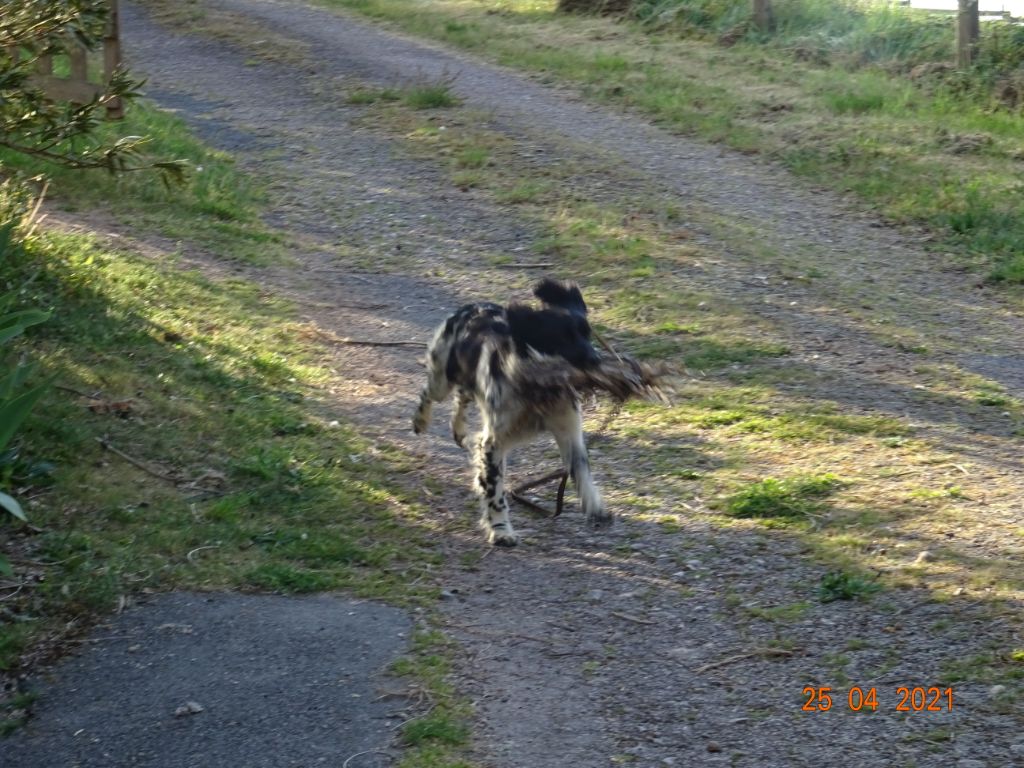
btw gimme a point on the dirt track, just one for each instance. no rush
(630, 647)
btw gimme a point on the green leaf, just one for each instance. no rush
(15, 323)
(13, 412)
(10, 383)
(5, 567)
(12, 506)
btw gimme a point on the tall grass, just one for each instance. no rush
(850, 33)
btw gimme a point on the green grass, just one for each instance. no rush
(436, 95)
(433, 739)
(373, 95)
(293, 505)
(218, 209)
(253, 481)
(841, 585)
(794, 497)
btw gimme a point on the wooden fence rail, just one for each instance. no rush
(77, 87)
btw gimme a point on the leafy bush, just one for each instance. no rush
(16, 398)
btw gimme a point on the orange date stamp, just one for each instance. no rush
(858, 699)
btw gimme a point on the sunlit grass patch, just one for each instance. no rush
(218, 388)
(790, 498)
(217, 208)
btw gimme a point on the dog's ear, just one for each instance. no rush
(555, 293)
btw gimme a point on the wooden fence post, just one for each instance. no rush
(968, 30)
(112, 57)
(764, 19)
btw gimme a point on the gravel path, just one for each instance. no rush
(631, 647)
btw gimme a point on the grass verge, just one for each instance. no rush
(189, 442)
(218, 210)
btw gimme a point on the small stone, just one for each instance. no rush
(189, 708)
(924, 557)
(1018, 749)
(713, 747)
(447, 594)
(595, 595)
(959, 591)
(996, 691)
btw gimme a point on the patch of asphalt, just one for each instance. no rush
(212, 679)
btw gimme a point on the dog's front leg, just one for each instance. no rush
(568, 431)
(462, 401)
(490, 483)
(434, 391)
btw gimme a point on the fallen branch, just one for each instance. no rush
(531, 504)
(74, 391)
(742, 656)
(538, 481)
(517, 493)
(135, 462)
(366, 342)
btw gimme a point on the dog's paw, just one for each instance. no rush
(459, 438)
(502, 536)
(600, 518)
(419, 424)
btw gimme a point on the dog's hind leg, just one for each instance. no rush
(567, 429)
(490, 484)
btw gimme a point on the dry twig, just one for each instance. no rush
(135, 462)
(334, 339)
(742, 656)
(350, 758)
(631, 617)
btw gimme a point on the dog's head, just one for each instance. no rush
(555, 294)
(560, 329)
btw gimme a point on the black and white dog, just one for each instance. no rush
(485, 353)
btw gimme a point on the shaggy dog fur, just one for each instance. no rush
(518, 364)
